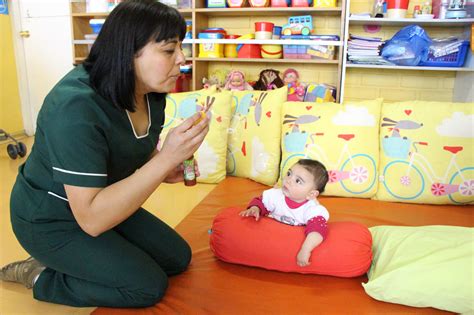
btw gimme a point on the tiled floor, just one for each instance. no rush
(167, 203)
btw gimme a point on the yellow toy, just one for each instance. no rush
(324, 3)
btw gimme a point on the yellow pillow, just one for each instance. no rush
(344, 137)
(211, 155)
(426, 152)
(254, 135)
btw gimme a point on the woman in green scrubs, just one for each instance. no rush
(76, 204)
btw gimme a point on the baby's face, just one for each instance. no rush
(298, 184)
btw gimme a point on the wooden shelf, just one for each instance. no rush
(416, 68)
(203, 17)
(267, 42)
(268, 11)
(264, 60)
(399, 22)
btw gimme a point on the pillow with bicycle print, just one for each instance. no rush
(426, 152)
(211, 155)
(254, 135)
(344, 137)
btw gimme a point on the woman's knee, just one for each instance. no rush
(184, 258)
(149, 292)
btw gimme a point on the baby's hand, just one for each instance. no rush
(302, 259)
(251, 212)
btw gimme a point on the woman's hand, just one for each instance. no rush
(183, 140)
(177, 174)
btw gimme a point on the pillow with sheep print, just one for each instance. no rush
(254, 135)
(211, 155)
(423, 266)
(344, 137)
(427, 153)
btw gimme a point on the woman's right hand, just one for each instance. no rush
(183, 140)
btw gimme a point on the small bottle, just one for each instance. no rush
(426, 8)
(443, 9)
(416, 11)
(189, 175)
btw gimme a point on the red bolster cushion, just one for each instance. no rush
(269, 244)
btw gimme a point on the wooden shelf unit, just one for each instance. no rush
(203, 17)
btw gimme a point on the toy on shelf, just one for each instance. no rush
(236, 3)
(300, 3)
(272, 51)
(259, 3)
(211, 50)
(280, 3)
(320, 93)
(298, 25)
(324, 3)
(235, 81)
(248, 50)
(230, 50)
(263, 30)
(217, 78)
(296, 90)
(269, 79)
(215, 3)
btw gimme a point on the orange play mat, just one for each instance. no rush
(210, 286)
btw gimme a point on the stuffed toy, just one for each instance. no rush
(235, 81)
(296, 90)
(216, 78)
(269, 79)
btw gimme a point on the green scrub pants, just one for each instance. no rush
(127, 266)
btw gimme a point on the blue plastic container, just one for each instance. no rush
(455, 59)
(96, 25)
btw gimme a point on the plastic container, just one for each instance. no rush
(276, 32)
(263, 30)
(455, 59)
(259, 3)
(96, 25)
(230, 50)
(211, 50)
(397, 9)
(272, 51)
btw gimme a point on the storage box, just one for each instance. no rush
(326, 52)
(455, 59)
(211, 50)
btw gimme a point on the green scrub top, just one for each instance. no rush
(81, 140)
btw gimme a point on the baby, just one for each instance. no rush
(295, 203)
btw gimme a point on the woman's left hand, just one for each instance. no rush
(177, 175)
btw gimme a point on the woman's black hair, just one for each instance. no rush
(128, 28)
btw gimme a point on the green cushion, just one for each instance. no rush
(425, 266)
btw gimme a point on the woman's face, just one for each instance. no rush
(157, 66)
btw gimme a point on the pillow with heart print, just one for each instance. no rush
(254, 135)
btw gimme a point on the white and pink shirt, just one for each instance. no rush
(310, 213)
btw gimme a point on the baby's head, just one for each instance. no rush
(305, 180)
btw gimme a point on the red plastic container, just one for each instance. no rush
(249, 51)
(264, 27)
(397, 4)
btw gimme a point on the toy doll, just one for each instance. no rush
(216, 78)
(295, 89)
(269, 79)
(235, 81)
